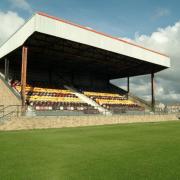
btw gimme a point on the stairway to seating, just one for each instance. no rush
(44, 98)
(111, 100)
(141, 102)
(88, 100)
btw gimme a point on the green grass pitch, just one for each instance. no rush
(131, 151)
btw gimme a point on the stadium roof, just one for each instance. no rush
(45, 33)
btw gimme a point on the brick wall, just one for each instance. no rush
(6, 96)
(77, 121)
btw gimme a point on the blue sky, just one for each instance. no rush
(154, 24)
(121, 18)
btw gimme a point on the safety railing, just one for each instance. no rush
(18, 110)
(89, 111)
(11, 110)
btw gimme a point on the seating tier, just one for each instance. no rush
(111, 100)
(43, 98)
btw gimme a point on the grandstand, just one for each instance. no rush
(51, 64)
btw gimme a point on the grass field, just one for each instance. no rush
(133, 151)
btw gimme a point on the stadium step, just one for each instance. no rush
(133, 97)
(88, 100)
(140, 101)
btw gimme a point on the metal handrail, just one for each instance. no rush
(6, 107)
(139, 99)
(3, 110)
(5, 115)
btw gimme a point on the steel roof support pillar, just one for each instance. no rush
(152, 93)
(23, 77)
(6, 72)
(128, 87)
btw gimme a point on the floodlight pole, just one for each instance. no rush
(6, 73)
(23, 77)
(152, 93)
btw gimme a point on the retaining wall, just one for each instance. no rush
(6, 96)
(77, 121)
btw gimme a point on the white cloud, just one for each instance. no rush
(10, 22)
(21, 4)
(167, 41)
